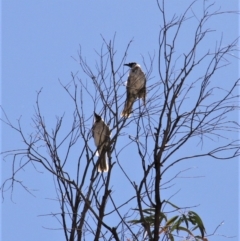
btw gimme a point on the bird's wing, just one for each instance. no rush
(108, 132)
(93, 128)
(131, 85)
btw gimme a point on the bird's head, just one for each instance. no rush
(131, 65)
(97, 117)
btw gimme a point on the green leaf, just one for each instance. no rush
(195, 219)
(173, 205)
(186, 230)
(171, 237)
(162, 216)
(202, 238)
(172, 220)
(149, 219)
(148, 210)
(176, 224)
(185, 220)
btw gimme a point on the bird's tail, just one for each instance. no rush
(103, 162)
(127, 108)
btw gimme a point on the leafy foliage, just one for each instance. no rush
(187, 223)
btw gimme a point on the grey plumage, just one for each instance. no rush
(101, 135)
(136, 88)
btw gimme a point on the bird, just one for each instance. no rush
(136, 88)
(101, 135)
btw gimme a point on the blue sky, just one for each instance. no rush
(40, 42)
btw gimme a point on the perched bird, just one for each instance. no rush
(136, 88)
(101, 135)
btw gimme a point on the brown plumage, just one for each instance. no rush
(101, 135)
(136, 88)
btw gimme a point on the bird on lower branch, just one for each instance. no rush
(101, 135)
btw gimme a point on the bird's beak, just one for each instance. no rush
(127, 65)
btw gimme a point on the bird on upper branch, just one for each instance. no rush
(136, 88)
(101, 135)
